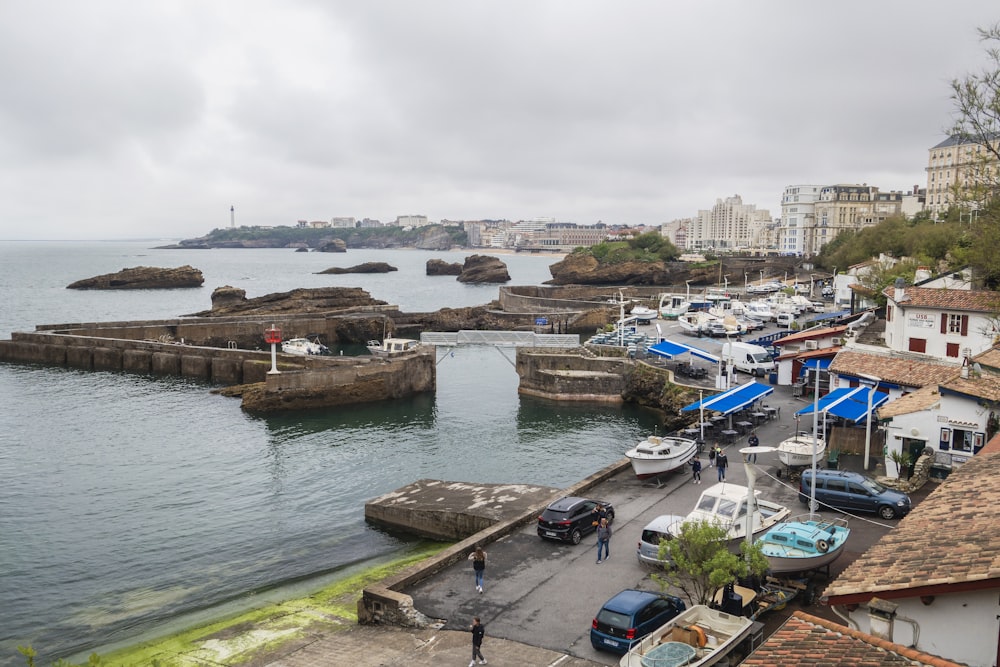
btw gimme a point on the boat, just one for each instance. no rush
(304, 347)
(643, 314)
(389, 347)
(696, 323)
(804, 543)
(673, 306)
(697, 637)
(725, 504)
(655, 455)
(798, 450)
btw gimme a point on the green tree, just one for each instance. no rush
(702, 564)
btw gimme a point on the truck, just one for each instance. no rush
(749, 358)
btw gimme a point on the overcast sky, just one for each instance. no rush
(125, 119)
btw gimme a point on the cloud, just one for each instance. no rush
(123, 119)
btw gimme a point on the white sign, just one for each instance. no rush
(920, 320)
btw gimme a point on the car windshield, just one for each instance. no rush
(761, 357)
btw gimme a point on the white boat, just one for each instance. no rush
(697, 323)
(697, 637)
(655, 455)
(643, 314)
(798, 450)
(673, 306)
(725, 504)
(304, 347)
(760, 310)
(389, 347)
(803, 544)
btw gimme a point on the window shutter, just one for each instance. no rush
(944, 322)
(965, 325)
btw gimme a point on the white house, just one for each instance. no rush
(820, 342)
(932, 582)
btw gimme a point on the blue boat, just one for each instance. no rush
(803, 544)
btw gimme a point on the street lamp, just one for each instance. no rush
(874, 381)
(746, 283)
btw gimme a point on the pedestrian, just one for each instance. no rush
(478, 558)
(696, 469)
(753, 441)
(478, 631)
(711, 455)
(597, 514)
(721, 462)
(603, 540)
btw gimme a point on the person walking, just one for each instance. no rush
(721, 463)
(696, 469)
(478, 558)
(478, 632)
(711, 455)
(753, 441)
(603, 540)
(597, 514)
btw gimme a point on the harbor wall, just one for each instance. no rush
(571, 376)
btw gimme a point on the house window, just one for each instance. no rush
(955, 324)
(918, 345)
(962, 440)
(952, 350)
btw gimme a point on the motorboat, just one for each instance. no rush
(760, 310)
(673, 306)
(389, 347)
(725, 504)
(643, 314)
(697, 637)
(657, 455)
(804, 543)
(304, 347)
(798, 450)
(697, 323)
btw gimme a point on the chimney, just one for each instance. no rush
(881, 614)
(898, 289)
(923, 273)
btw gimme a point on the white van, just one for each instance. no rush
(748, 358)
(785, 320)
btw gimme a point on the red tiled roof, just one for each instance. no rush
(946, 299)
(810, 334)
(961, 554)
(905, 371)
(805, 639)
(921, 399)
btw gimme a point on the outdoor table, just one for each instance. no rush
(706, 424)
(718, 418)
(730, 435)
(744, 426)
(758, 417)
(691, 432)
(772, 412)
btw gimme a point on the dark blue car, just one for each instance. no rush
(629, 616)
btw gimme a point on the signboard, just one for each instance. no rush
(541, 321)
(920, 320)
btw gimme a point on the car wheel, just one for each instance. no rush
(575, 536)
(887, 512)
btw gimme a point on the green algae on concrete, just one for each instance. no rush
(272, 630)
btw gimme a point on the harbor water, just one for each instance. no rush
(131, 503)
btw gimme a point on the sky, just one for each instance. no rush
(123, 119)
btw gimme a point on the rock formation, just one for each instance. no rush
(439, 267)
(367, 267)
(483, 269)
(143, 277)
(333, 245)
(232, 301)
(584, 269)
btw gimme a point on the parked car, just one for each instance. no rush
(660, 528)
(629, 616)
(569, 519)
(829, 291)
(854, 492)
(784, 320)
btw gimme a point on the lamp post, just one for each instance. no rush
(762, 277)
(813, 505)
(726, 279)
(874, 380)
(746, 283)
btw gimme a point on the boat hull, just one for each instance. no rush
(796, 452)
(802, 545)
(657, 456)
(711, 634)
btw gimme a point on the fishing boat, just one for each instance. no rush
(697, 323)
(798, 450)
(697, 637)
(673, 306)
(726, 505)
(804, 543)
(304, 347)
(388, 347)
(655, 455)
(643, 314)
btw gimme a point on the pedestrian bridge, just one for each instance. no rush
(499, 338)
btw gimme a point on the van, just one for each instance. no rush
(661, 528)
(854, 492)
(784, 320)
(749, 358)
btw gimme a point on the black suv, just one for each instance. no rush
(569, 519)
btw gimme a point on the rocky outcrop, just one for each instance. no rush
(232, 301)
(439, 267)
(143, 277)
(333, 245)
(584, 269)
(367, 267)
(435, 238)
(483, 269)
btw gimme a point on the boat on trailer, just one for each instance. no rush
(797, 451)
(804, 543)
(697, 637)
(658, 455)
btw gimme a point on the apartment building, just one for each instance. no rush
(955, 163)
(728, 225)
(813, 215)
(798, 212)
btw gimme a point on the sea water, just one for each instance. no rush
(132, 503)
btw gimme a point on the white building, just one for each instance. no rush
(798, 213)
(729, 225)
(949, 324)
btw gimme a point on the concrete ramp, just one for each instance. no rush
(451, 511)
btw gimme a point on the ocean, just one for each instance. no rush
(133, 506)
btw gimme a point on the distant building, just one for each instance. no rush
(955, 163)
(342, 223)
(728, 225)
(798, 212)
(412, 221)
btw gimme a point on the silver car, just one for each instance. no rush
(660, 528)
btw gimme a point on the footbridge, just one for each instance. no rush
(499, 338)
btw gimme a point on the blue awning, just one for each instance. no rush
(733, 399)
(848, 403)
(810, 364)
(670, 349)
(830, 316)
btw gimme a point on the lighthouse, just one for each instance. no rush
(232, 217)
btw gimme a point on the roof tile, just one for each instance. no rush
(947, 299)
(902, 370)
